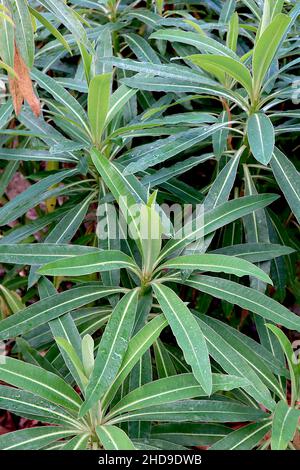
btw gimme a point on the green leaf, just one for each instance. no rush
(238, 355)
(64, 97)
(203, 43)
(112, 349)
(33, 438)
(66, 15)
(171, 389)
(79, 442)
(255, 252)
(216, 263)
(214, 219)
(188, 334)
(7, 175)
(73, 362)
(98, 104)
(163, 361)
(33, 196)
(41, 253)
(247, 298)
(29, 354)
(151, 236)
(105, 260)
(266, 48)
(52, 307)
(215, 411)
(261, 137)
(294, 367)
(137, 346)
(23, 30)
(284, 425)
(190, 434)
(244, 438)
(141, 48)
(39, 382)
(6, 38)
(34, 155)
(149, 155)
(103, 49)
(170, 71)
(116, 182)
(288, 180)
(144, 82)
(231, 67)
(219, 139)
(50, 28)
(30, 406)
(12, 299)
(113, 438)
(118, 100)
(233, 32)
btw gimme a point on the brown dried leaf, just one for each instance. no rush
(21, 88)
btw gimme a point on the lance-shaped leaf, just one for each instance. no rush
(111, 350)
(244, 438)
(117, 184)
(105, 260)
(288, 179)
(40, 253)
(79, 442)
(284, 425)
(237, 358)
(203, 43)
(188, 334)
(168, 71)
(41, 18)
(190, 434)
(34, 155)
(118, 100)
(233, 32)
(171, 389)
(68, 18)
(137, 346)
(34, 438)
(261, 137)
(64, 231)
(294, 366)
(52, 307)
(63, 96)
(247, 298)
(30, 406)
(216, 263)
(214, 219)
(40, 382)
(98, 104)
(32, 196)
(142, 48)
(219, 139)
(23, 30)
(255, 252)
(144, 82)
(150, 155)
(266, 48)
(231, 67)
(6, 37)
(151, 235)
(12, 299)
(215, 411)
(114, 438)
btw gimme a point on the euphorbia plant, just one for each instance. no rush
(126, 326)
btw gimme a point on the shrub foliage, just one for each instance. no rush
(149, 257)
